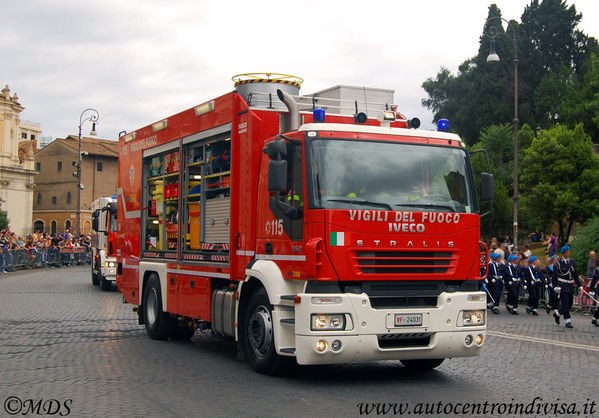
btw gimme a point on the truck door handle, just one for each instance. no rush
(268, 247)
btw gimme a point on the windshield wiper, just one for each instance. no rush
(427, 205)
(362, 202)
(318, 188)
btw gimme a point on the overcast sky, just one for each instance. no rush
(139, 61)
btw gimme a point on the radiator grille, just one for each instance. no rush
(403, 262)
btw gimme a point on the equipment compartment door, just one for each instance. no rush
(218, 219)
(207, 195)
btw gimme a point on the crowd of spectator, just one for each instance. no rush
(40, 249)
(549, 241)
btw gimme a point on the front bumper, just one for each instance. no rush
(109, 273)
(372, 336)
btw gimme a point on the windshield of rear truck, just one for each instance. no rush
(352, 174)
(112, 222)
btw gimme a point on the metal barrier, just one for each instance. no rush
(20, 259)
(581, 300)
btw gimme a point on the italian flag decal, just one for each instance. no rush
(339, 239)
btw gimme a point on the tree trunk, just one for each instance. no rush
(562, 242)
(570, 224)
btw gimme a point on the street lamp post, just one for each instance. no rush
(492, 32)
(91, 115)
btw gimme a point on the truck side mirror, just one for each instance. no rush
(277, 166)
(277, 176)
(95, 216)
(487, 187)
(276, 149)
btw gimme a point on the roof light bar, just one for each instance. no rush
(129, 137)
(204, 108)
(158, 126)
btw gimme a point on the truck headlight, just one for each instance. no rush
(109, 264)
(473, 318)
(327, 322)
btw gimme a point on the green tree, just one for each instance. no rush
(586, 239)
(3, 219)
(498, 140)
(550, 38)
(582, 98)
(553, 54)
(525, 137)
(550, 94)
(478, 96)
(560, 178)
(499, 221)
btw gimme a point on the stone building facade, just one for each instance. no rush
(55, 194)
(18, 143)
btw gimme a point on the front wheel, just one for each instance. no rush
(258, 337)
(160, 325)
(95, 279)
(424, 364)
(105, 284)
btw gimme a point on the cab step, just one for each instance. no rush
(290, 321)
(290, 350)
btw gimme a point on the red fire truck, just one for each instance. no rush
(312, 229)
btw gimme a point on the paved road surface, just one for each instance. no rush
(61, 338)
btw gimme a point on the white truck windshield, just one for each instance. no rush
(113, 224)
(346, 174)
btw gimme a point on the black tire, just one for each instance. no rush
(258, 337)
(95, 279)
(106, 285)
(424, 364)
(160, 325)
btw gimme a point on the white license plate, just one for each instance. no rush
(408, 320)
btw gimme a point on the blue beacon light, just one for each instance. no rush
(318, 116)
(443, 125)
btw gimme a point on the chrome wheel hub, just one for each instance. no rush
(260, 331)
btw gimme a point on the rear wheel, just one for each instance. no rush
(159, 324)
(95, 279)
(423, 364)
(259, 339)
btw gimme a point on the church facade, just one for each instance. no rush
(18, 143)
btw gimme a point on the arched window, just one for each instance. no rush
(38, 226)
(53, 226)
(69, 198)
(67, 225)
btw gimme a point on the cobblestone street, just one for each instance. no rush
(63, 338)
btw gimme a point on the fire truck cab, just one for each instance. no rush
(103, 266)
(313, 229)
